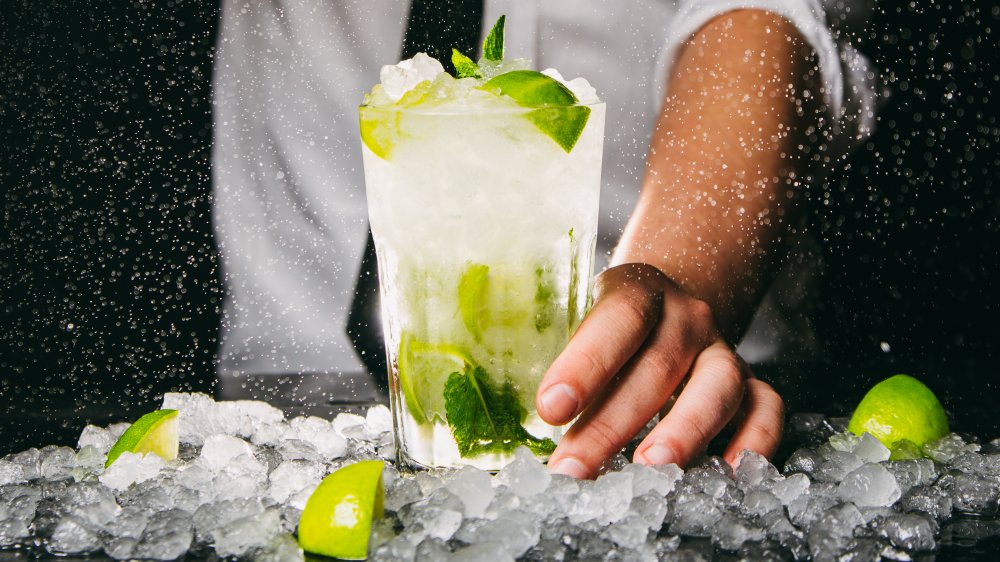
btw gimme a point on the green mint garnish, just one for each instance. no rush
(574, 282)
(493, 46)
(487, 419)
(464, 66)
(545, 299)
(471, 295)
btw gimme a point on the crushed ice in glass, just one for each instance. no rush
(245, 471)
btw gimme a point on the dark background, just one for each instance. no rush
(109, 280)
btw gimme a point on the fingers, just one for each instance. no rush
(709, 401)
(761, 426)
(623, 407)
(621, 320)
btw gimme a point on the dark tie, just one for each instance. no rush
(433, 27)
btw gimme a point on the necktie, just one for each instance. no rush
(433, 27)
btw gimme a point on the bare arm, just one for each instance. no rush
(720, 189)
(701, 247)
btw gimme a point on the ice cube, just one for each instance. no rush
(402, 491)
(752, 469)
(837, 466)
(948, 447)
(72, 536)
(212, 516)
(695, 514)
(12, 473)
(120, 548)
(473, 487)
(130, 522)
(378, 421)
(732, 533)
(283, 548)
(232, 456)
(482, 552)
(911, 531)
(292, 477)
(974, 495)
(350, 426)
(12, 531)
(167, 536)
(661, 479)
(397, 79)
(808, 508)
(130, 468)
(319, 433)
(870, 485)
(652, 508)
(515, 534)
(629, 532)
(57, 462)
(581, 88)
(432, 549)
(870, 449)
(845, 442)
(789, 488)
(240, 537)
(91, 503)
(525, 475)
(605, 500)
(803, 460)
(913, 472)
(97, 437)
(759, 502)
(931, 500)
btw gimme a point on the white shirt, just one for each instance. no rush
(289, 202)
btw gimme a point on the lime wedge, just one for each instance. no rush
(897, 410)
(155, 432)
(471, 298)
(380, 126)
(423, 370)
(557, 115)
(337, 519)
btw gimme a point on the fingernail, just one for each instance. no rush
(560, 402)
(658, 453)
(570, 467)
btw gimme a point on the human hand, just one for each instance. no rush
(643, 340)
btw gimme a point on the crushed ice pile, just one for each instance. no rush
(245, 472)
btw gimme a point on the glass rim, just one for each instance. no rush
(503, 110)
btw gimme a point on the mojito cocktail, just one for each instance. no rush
(483, 209)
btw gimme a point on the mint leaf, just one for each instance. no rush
(471, 293)
(574, 282)
(493, 46)
(464, 66)
(545, 299)
(486, 419)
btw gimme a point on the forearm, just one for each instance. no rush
(722, 181)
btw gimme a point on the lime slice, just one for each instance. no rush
(423, 370)
(337, 519)
(380, 127)
(556, 116)
(155, 432)
(897, 410)
(471, 298)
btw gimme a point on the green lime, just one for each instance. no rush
(898, 410)
(557, 115)
(380, 126)
(337, 519)
(423, 370)
(155, 432)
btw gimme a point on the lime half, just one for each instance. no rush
(557, 115)
(423, 370)
(337, 519)
(900, 409)
(155, 432)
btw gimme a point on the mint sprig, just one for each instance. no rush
(493, 46)
(485, 418)
(464, 66)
